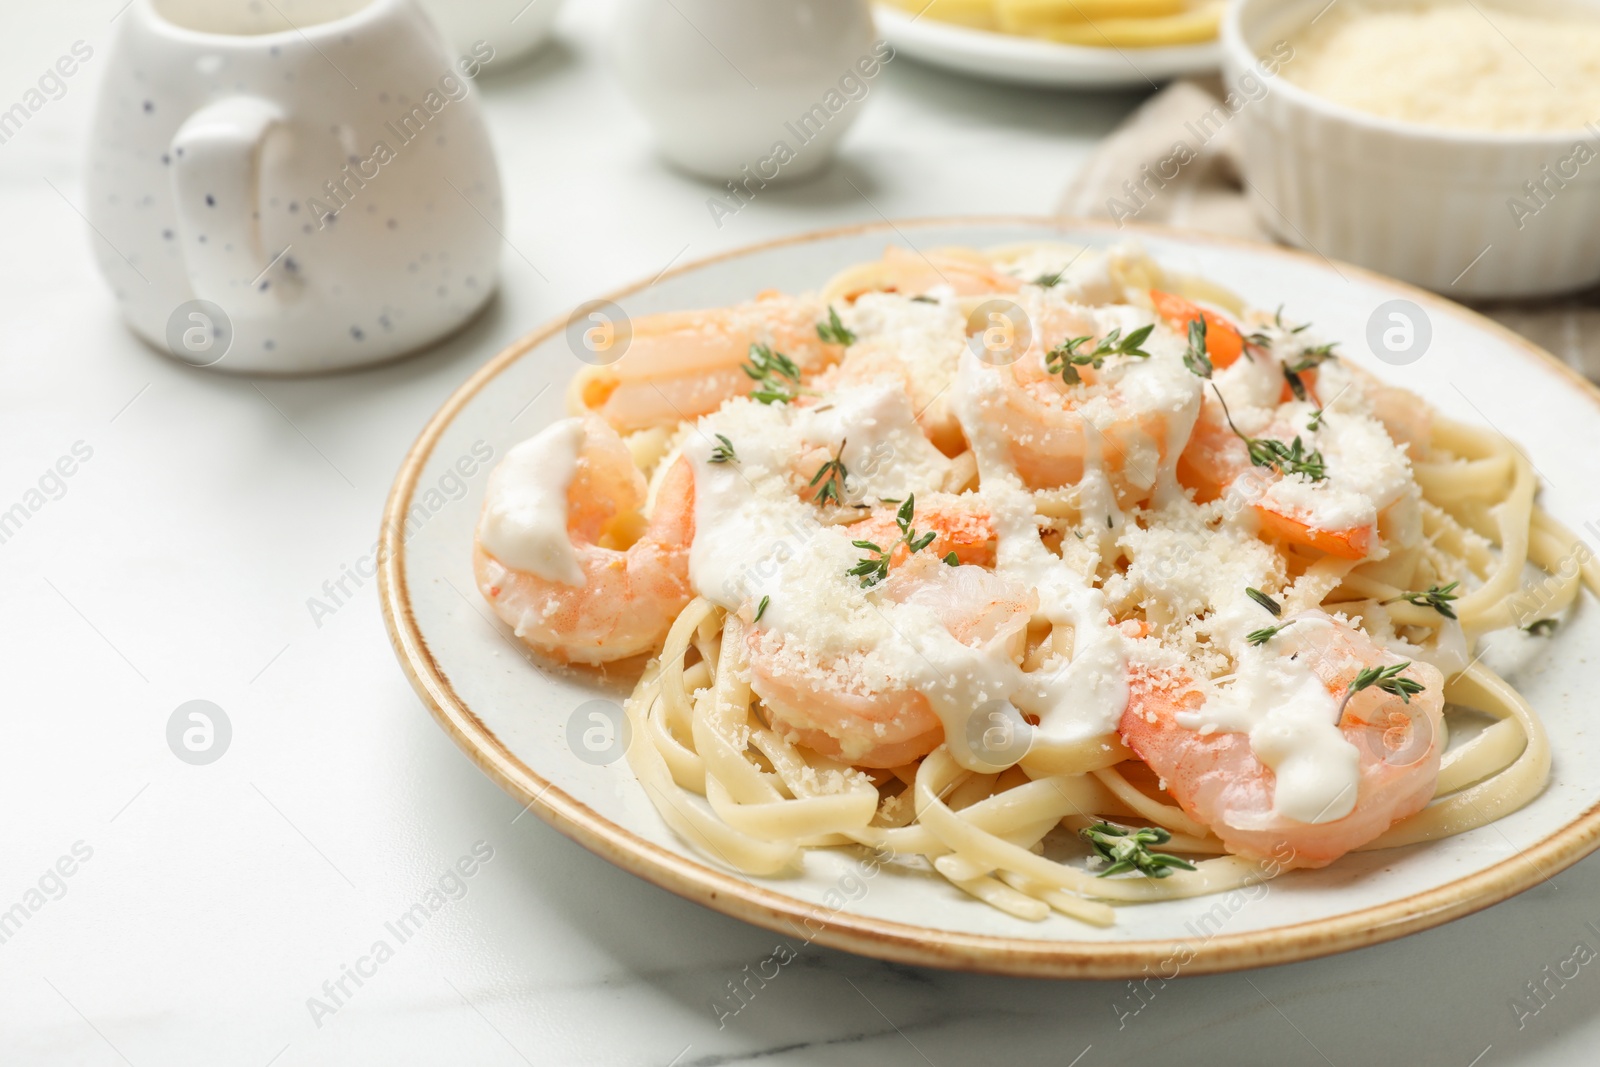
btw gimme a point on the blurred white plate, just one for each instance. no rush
(1030, 61)
(522, 720)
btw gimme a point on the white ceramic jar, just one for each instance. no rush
(1435, 207)
(512, 28)
(742, 88)
(297, 186)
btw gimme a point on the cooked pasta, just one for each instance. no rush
(1068, 580)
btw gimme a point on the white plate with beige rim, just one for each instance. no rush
(518, 717)
(1033, 61)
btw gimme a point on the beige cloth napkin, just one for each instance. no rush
(1207, 195)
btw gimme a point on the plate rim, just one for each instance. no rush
(732, 894)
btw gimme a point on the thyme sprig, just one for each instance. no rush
(1308, 359)
(1128, 849)
(871, 570)
(834, 332)
(1049, 281)
(1269, 452)
(1065, 359)
(723, 452)
(832, 475)
(875, 569)
(773, 373)
(1262, 636)
(1262, 339)
(1437, 597)
(1267, 633)
(1387, 679)
(761, 609)
(1195, 356)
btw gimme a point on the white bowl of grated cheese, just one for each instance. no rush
(1423, 141)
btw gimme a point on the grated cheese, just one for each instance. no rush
(1455, 64)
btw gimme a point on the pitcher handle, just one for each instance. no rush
(216, 167)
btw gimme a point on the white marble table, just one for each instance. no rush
(177, 565)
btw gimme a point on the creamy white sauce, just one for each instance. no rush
(1252, 387)
(1085, 273)
(754, 533)
(1447, 652)
(885, 451)
(524, 520)
(1085, 695)
(755, 538)
(1137, 417)
(1291, 719)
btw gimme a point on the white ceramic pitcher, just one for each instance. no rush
(292, 186)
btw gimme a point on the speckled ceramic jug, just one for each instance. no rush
(297, 186)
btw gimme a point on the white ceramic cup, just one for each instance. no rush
(726, 82)
(297, 186)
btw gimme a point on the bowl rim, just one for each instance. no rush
(1238, 55)
(722, 890)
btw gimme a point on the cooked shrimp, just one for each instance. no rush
(683, 364)
(1408, 420)
(917, 346)
(584, 594)
(1218, 771)
(1215, 459)
(831, 708)
(956, 270)
(1224, 342)
(1354, 483)
(959, 524)
(928, 397)
(1127, 418)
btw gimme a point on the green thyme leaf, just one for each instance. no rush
(1269, 452)
(832, 475)
(1265, 601)
(1065, 359)
(875, 569)
(1308, 359)
(1195, 356)
(1261, 637)
(1128, 849)
(834, 331)
(1385, 678)
(1437, 597)
(773, 373)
